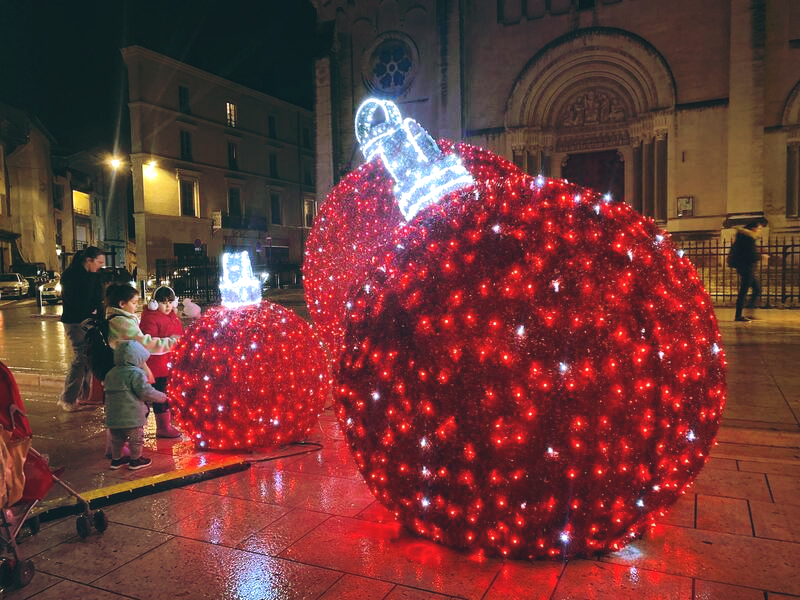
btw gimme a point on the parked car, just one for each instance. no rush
(13, 284)
(51, 291)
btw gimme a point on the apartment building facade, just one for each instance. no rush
(216, 167)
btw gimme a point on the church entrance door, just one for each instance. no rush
(603, 171)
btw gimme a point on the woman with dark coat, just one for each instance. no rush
(82, 297)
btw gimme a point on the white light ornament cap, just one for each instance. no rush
(238, 286)
(422, 174)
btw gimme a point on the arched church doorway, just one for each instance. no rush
(604, 172)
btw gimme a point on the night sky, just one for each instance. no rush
(60, 60)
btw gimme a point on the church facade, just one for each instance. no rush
(689, 111)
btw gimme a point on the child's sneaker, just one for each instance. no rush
(116, 464)
(139, 463)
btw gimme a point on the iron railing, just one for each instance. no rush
(778, 272)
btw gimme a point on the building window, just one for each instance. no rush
(234, 202)
(59, 232)
(793, 181)
(273, 165)
(230, 109)
(233, 156)
(390, 65)
(585, 4)
(272, 130)
(188, 191)
(306, 138)
(309, 212)
(186, 145)
(183, 100)
(308, 172)
(58, 196)
(275, 208)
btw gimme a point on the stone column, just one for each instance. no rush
(746, 107)
(636, 188)
(660, 177)
(324, 122)
(449, 110)
(648, 178)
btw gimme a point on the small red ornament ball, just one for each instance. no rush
(530, 370)
(358, 217)
(256, 376)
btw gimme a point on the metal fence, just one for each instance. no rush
(196, 278)
(778, 272)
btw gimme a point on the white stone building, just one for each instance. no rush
(689, 110)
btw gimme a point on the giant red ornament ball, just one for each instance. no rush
(358, 218)
(256, 376)
(528, 369)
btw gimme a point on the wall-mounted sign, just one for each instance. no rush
(685, 206)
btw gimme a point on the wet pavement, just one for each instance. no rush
(298, 522)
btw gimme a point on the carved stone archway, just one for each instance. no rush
(593, 90)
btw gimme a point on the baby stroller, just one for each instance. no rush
(25, 478)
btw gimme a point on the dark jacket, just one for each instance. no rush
(81, 294)
(743, 252)
(126, 389)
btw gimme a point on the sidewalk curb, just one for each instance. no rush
(130, 490)
(39, 382)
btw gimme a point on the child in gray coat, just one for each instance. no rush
(127, 398)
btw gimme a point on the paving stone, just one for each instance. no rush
(728, 515)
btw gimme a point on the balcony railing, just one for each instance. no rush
(249, 223)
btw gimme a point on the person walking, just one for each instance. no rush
(82, 298)
(128, 395)
(160, 319)
(745, 258)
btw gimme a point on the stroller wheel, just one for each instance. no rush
(82, 525)
(100, 521)
(23, 573)
(7, 572)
